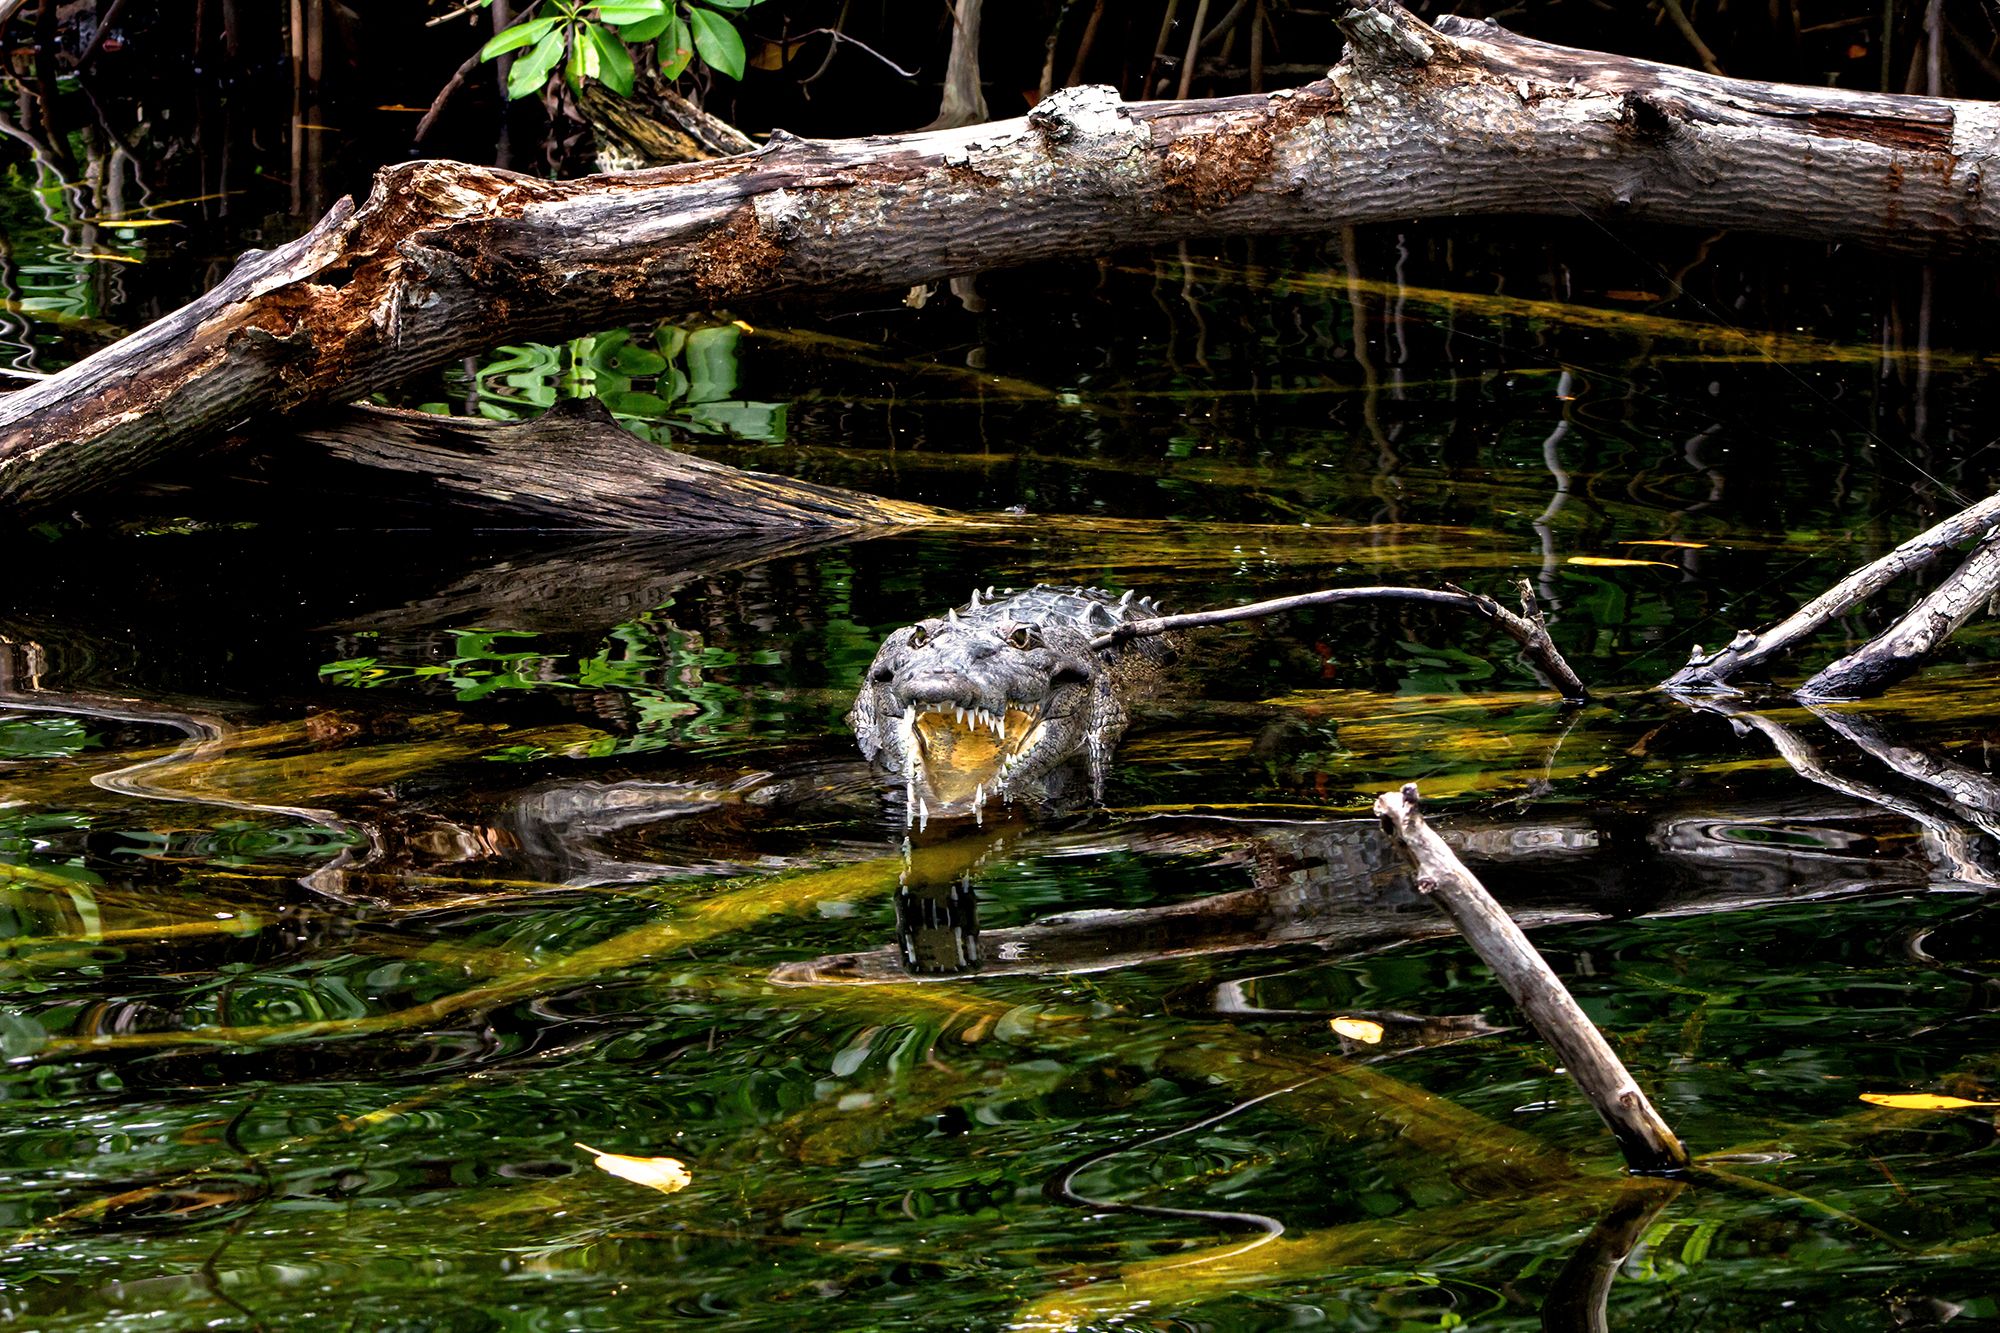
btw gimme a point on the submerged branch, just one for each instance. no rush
(1910, 642)
(1712, 672)
(575, 467)
(1647, 1142)
(1527, 628)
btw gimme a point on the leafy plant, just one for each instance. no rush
(603, 41)
(677, 379)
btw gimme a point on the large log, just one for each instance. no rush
(445, 259)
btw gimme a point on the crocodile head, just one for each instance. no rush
(964, 709)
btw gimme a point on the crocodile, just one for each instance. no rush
(996, 698)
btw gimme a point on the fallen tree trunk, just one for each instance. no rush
(445, 259)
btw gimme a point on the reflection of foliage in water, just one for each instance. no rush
(661, 671)
(676, 379)
(47, 736)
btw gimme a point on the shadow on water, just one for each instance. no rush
(353, 871)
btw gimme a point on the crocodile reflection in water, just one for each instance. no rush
(1340, 886)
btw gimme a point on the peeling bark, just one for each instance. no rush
(445, 259)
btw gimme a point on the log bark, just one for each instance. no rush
(656, 126)
(1645, 1139)
(445, 259)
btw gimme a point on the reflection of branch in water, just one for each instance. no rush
(1576, 1299)
(1959, 848)
(1338, 886)
(697, 921)
(1061, 1187)
(1976, 794)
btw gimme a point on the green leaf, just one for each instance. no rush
(730, 4)
(516, 37)
(532, 70)
(630, 11)
(721, 46)
(676, 49)
(645, 30)
(582, 63)
(614, 62)
(711, 363)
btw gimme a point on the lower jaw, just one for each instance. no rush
(961, 796)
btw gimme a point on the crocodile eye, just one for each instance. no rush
(919, 636)
(1022, 637)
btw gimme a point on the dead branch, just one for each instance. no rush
(1527, 628)
(1710, 672)
(1909, 643)
(1648, 1144)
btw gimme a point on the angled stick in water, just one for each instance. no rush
(1648, 1144)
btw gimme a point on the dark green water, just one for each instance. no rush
(351, 875)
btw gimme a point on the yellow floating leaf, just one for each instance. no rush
(1358, 1029)
(134, 222)
(1920, 1101)
(99, 254)
(1614, 562)
(1683, 546)
(661, 1173)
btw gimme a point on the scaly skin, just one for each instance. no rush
(995, 698)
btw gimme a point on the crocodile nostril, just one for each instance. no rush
(884, 676)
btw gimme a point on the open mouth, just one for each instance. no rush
(965, 755)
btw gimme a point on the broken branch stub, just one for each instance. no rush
(1464, 119)
(1647, 1142)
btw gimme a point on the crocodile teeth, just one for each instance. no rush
(973, 605)
(923, 814)
(952, 615)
